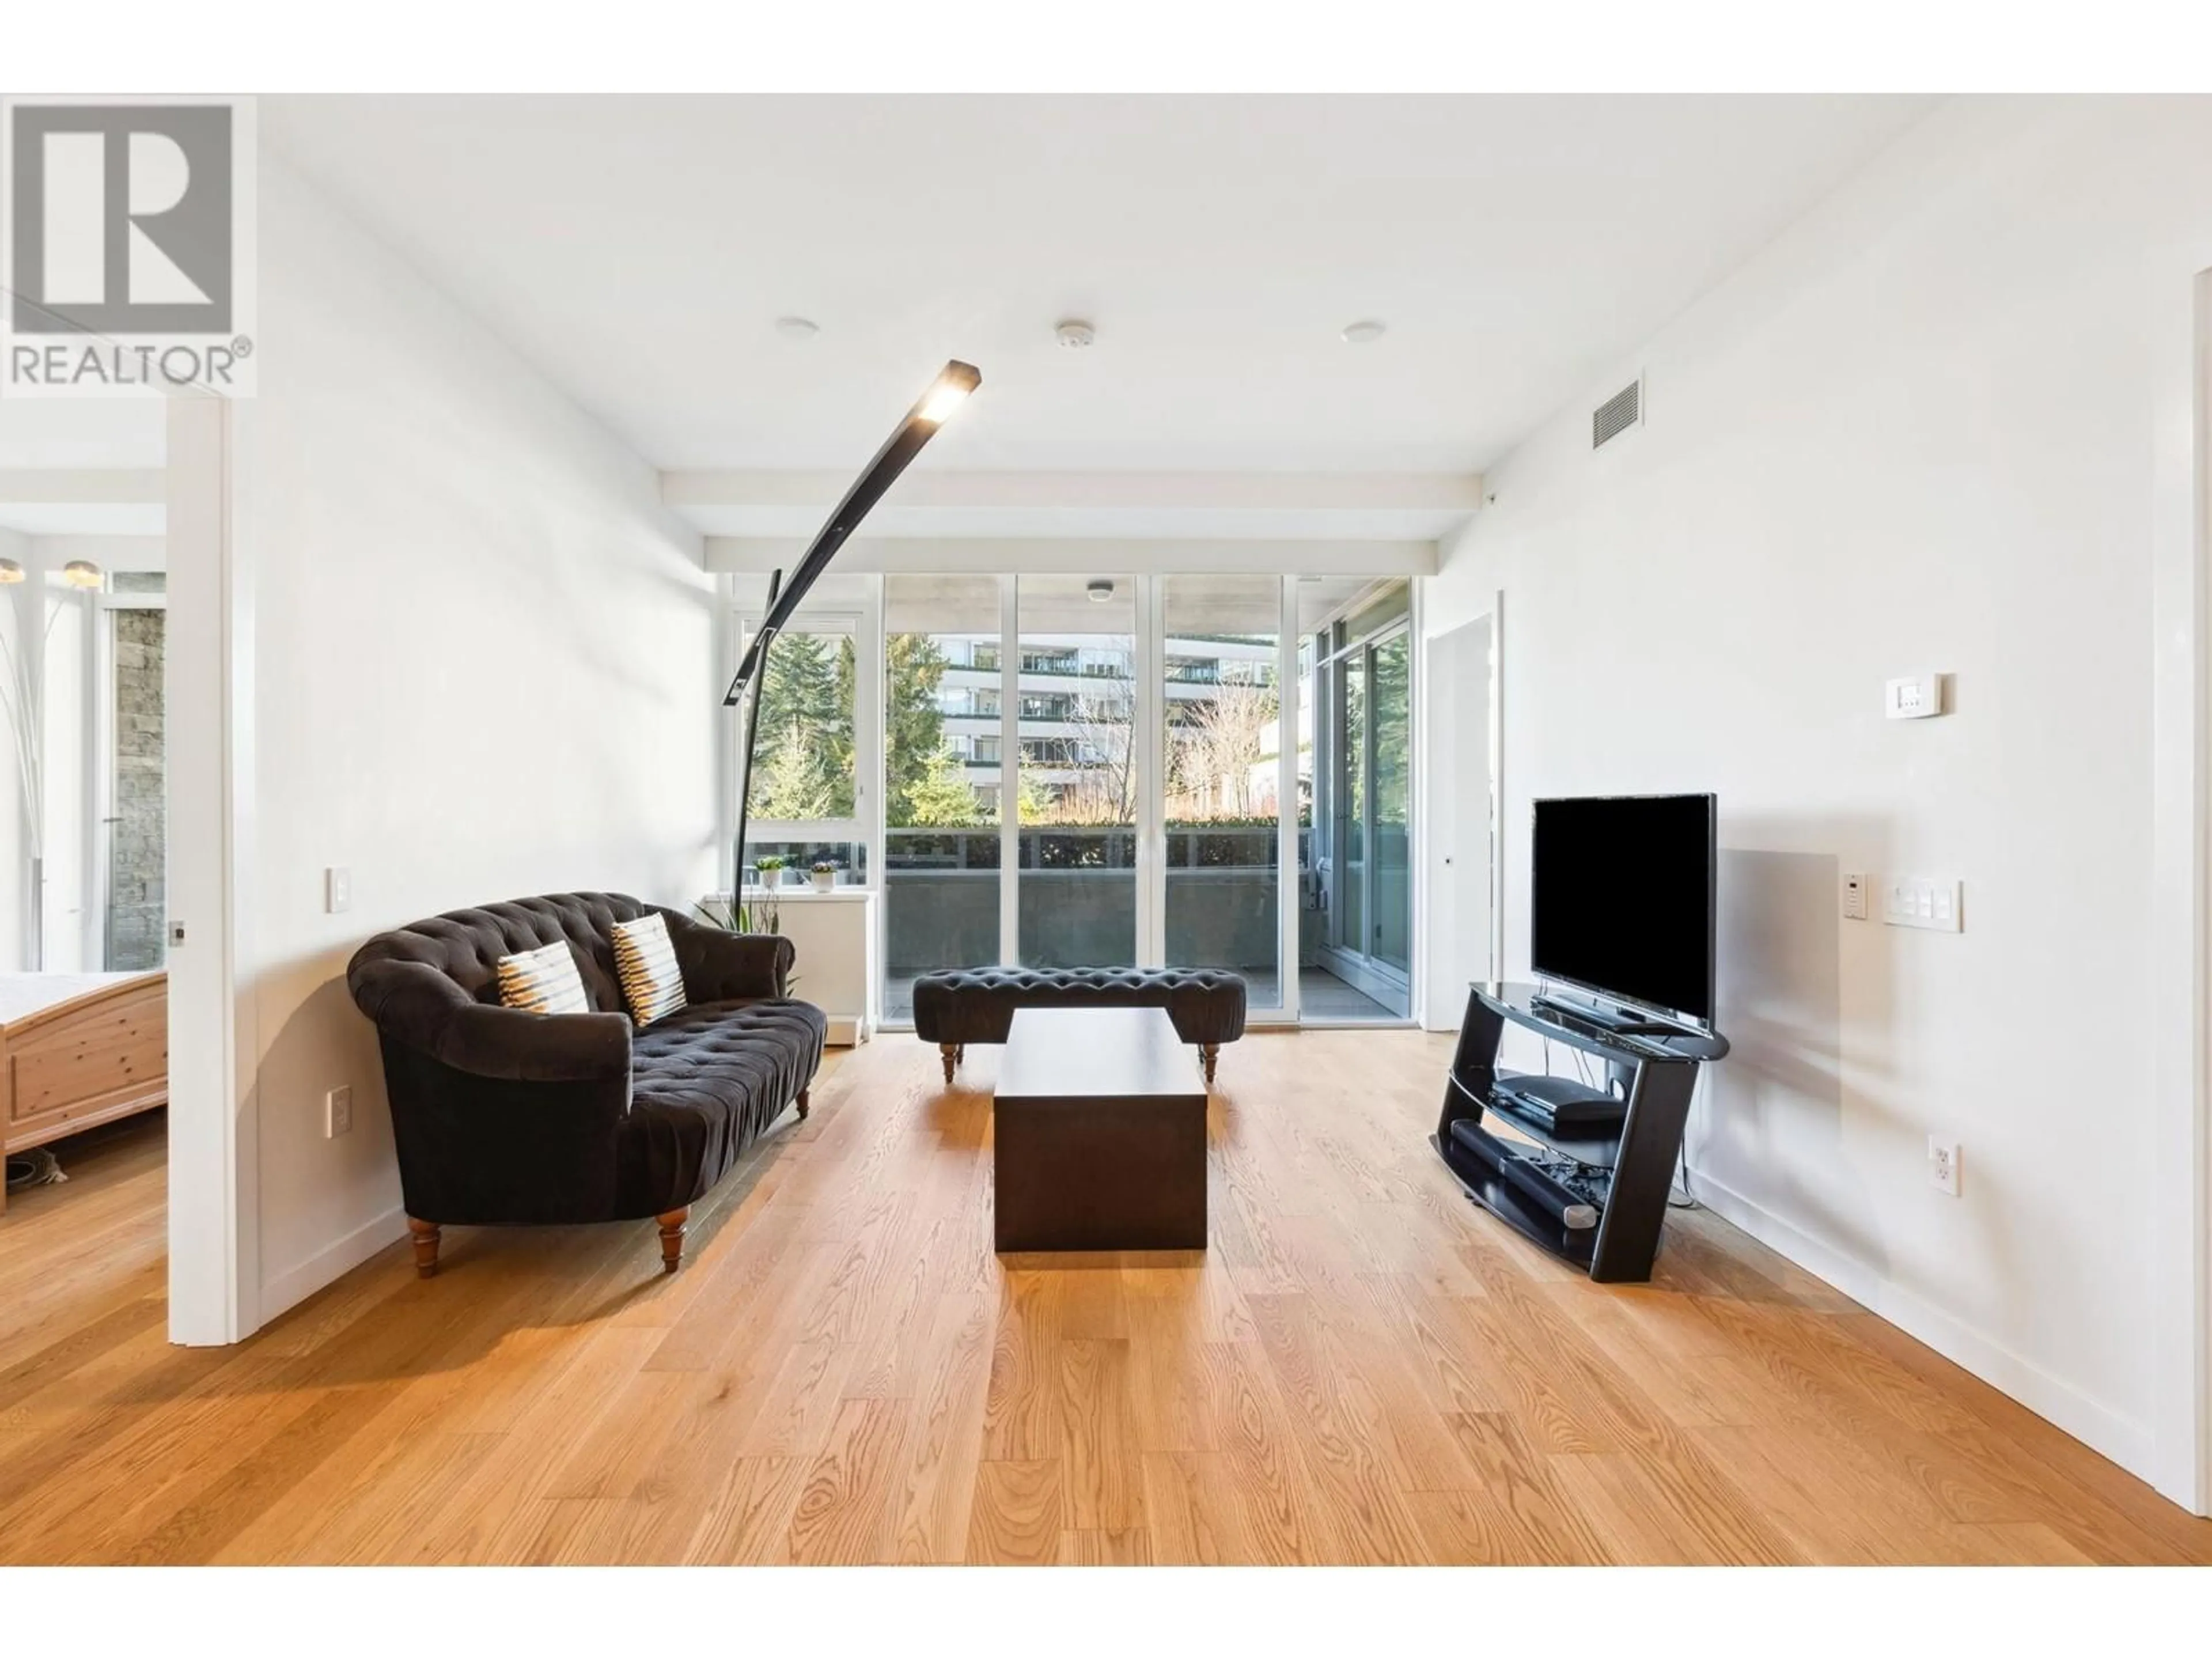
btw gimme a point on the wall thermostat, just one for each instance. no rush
(1854, 896)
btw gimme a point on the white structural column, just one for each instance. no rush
(1010, 769)
(1148, 750)
(29, 636)
(1289, 900)
(214, 1156)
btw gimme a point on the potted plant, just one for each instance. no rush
(770, 870)
(731, 913)
(825, 875)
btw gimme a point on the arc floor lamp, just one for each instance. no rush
(936, 405)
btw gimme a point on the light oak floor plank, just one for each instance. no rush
(1361, 1368)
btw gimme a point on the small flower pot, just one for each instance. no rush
(824, 880)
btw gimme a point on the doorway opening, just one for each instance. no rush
(84, 1079)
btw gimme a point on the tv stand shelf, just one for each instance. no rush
(1625, 1174)
(1598, 1151)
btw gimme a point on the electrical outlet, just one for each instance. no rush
(338, 890)
(337, 1112)
(1943, 1166)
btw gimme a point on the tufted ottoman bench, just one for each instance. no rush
(962, 1005)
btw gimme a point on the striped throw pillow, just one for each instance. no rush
(543, 981)
(646, 961)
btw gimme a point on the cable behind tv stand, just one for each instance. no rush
(1618, 1167)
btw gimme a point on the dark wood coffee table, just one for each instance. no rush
(1098, 1134)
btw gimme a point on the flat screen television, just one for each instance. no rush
(1621, 901)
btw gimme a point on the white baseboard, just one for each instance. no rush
(295, 1285)
(2095, 1425)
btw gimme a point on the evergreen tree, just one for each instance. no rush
(942, 798)
(914, 726)
(796, 782)
(805, 707)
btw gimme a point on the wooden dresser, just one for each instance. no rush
(77, 1050)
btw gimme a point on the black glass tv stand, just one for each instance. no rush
(1619, 1021)
(1592, 1188)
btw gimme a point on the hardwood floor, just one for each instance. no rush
(1361, 1369)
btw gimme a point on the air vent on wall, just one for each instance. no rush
(1622, 411)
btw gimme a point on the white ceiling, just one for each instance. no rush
(55, 455)
(639, 249)
(70, 433)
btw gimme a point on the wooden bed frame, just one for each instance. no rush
(97, 1051)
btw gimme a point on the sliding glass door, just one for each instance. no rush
(1356, 882)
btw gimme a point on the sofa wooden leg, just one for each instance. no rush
(427, 1237)
(801, 1103)
(949, 1053)
(1208, 1052)
(672, 1238)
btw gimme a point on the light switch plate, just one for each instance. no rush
(338, 890)
(1931, 901)
(337, 1112)
(1915, 697)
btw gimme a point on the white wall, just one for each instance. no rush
(15, 854)
(1933, 427)
(482, 661)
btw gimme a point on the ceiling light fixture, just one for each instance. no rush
(82, 574)
(798, 328)
(10, 571)
(1099, 589)
(1363, 333)
(944, 399)
(1074, 334)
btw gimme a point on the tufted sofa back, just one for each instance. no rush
(466, 946)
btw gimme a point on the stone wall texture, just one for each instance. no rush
(137, 912)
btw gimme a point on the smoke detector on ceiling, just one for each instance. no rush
(1073, 334)
(797, 328)
(1100, 590)
(1364, 333)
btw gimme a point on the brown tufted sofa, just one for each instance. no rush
(954, 1008)
(509, 1118)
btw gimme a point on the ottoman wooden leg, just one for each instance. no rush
(1208, 1052)
(427, 1237)
(672, 1238)
(802, 1105)
(949, 1053)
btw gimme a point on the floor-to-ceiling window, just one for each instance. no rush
(1077, 777)
(812, 752)
(1221, 708)
(1090, 770)
(943, 779)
